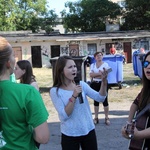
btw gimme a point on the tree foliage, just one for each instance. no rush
(25, 15)
(137, 15)
(7, 15)
(89, 15)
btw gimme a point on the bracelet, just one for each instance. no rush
(129, 122)
(70, 100)
(74, 96)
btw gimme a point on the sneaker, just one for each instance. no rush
(107, 121)
(96, 121)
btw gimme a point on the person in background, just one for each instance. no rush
(23, 115)
(24, 72)
(12, 77)
(113, 50)
(95, 74)
(140, 102)
(77, 127)
(142, 50)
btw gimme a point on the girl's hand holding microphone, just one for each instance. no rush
(77, 90)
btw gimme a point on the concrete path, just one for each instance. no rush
(108, 137)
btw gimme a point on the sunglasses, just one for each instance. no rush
(145, 64)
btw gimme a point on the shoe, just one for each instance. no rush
(107, 121)
(96, 121)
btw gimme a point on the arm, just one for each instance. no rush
(63, 103)
(71, 102)
(132, 111)
(103, 88)
(41, 133)
(143, 134)
(93, 94)
(95, 75)
(70, 106)
(92, 72)
(98, 74)
(36, 115)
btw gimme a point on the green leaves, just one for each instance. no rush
(137, 16)
(89, 15)
(24, 15)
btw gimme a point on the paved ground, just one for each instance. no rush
(109, 137)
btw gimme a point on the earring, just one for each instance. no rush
(8, 64)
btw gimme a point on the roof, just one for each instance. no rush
(87, 36)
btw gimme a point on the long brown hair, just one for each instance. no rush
(28, 76)
(145, 93)
(59, 68)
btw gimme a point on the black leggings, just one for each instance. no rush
(86, 142)
(96, 86)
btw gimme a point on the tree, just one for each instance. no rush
(44, 22)
(7, 15)
(137, 16)
(25, 15)
(89, 15)
(49, 20)
(28, 11)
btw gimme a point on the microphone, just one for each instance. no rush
(77, 81)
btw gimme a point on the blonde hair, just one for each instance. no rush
(5, 52)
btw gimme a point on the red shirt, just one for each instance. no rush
(112, 51)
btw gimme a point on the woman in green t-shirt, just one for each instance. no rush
(21, 107)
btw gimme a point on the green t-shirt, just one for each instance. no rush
(21, 107)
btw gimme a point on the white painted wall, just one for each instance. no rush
(46, 47)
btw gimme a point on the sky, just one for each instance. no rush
(58, 5)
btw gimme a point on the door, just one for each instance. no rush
(36, 56)
(74, 50)
(55, 51)
(127, 51)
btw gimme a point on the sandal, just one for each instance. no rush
(107, 121)
(96, 121)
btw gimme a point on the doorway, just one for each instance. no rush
(55, 51)
(127, 51)
(36, 56)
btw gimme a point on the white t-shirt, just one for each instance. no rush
(94, 69)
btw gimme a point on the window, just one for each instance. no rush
(92, 48)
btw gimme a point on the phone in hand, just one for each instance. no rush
(109, 70)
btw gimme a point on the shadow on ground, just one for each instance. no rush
(44, 89)
(132, 82)
(108, 137)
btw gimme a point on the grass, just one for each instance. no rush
(43, 76)
(131, 85)
(129, 76)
